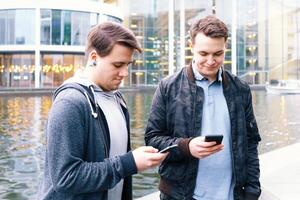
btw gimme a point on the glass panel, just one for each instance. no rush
(46, 26)
(17, 26)
(149, 21)
(138, 78)
(153, 77)
(93, 19)
(9, 26)
(56, 68)
(66, 31)
(25, 26)
(56, 27)
(17, 70)
(3, 73)
(3, 14)
(8, 31)
(66, 27)
(80, 25)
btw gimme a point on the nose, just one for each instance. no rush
(124, 71)
(211, 60)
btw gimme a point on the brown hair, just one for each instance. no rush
(210, 26)
(104, 36)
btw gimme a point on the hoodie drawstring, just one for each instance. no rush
(95, 115)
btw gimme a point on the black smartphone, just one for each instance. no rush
(169, 148)
(217, 138)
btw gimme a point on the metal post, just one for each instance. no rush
(37, 71)
(171, 37)
(233, 38)
(182, 34)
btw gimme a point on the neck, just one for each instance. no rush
(88, 73)
(209, 78)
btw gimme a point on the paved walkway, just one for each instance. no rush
(280, 175)
(280, 172)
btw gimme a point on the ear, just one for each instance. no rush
(93, 55)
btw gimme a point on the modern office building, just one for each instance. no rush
(161, 26)
(263, 43)
(264, 40)
(42, 42)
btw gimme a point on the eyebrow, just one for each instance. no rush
(221, 51)
(122, 63)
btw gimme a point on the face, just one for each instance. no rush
(111, 69)
(208, 55)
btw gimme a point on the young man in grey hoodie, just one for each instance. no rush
(88, 143)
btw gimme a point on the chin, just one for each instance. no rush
(212, 72)
(115, 87)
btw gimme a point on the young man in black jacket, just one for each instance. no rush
(200, 100)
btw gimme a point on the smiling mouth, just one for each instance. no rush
(211, 68)
(119, 80)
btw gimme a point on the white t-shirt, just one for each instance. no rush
(118, 132)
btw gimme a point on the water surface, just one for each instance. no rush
(22, 139)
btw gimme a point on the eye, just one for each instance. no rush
(118, 65)
(203, 54)
(219, 54)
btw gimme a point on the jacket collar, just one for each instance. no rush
(191, 76)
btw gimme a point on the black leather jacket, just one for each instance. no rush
(174, 119)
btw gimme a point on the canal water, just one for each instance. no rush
(22, 139)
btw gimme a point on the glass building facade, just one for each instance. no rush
(42, 47)
(263, 43)
(17, 26)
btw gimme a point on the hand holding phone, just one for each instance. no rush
(216, 138)
(169, 148)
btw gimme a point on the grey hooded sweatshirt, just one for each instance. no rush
(77, 164)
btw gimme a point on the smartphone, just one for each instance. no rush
(169, 148)
(216, 138)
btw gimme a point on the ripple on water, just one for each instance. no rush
(22, 141)
(13, 196)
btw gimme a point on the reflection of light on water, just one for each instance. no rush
(22, 138)
(282, 105)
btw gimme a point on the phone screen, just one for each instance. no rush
(216, 138)
(169, 148)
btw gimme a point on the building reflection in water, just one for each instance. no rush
(277, 119)
(139, 107)
(22, 138)
(21, 146)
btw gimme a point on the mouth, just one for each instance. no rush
(211, 67)
(118, 81)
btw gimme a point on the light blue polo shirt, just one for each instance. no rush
(215, 176)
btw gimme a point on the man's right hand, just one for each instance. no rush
(200, 149)
(147, 157)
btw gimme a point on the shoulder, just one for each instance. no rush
(68, 106)
(236, 82)
(70, 100)
(70, 94)
(174, 79)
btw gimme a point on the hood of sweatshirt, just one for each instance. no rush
(81, 79)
